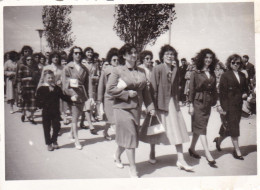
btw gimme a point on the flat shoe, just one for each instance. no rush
(194, 155)
(93, 131)
(118, 164)
(152, 161)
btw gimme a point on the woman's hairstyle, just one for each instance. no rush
(52, 54)
(123, 50)
(45, 72)
(28, 48)
(70, 57)
(168, 48)
(143, 54)
(112, 52)
(183, 59)
(231, 58)
(37, 54)
(42, 56)
(13, 55)
(199, 59)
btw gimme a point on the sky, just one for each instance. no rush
(226, 28)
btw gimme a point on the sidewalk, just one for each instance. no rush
(27, 158)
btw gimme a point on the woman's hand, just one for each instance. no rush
(191, 110)
(74, 98)
(27, 79)
(58, 82)
(132, 93)
(92, 101)
(244, 96)
(152, 112)
(220, 110)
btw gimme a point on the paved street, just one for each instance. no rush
(26, 156)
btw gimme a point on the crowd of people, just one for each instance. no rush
(128, 84)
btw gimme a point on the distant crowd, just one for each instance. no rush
(127, 85)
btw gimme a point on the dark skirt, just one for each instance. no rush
(200, 118)
(127, 123)
(233, 119)
(28, 96)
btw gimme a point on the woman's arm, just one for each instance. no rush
(112, 88)
(192, 87)
(154, 85)
(66, 88)
(223, 92)
(101, 87)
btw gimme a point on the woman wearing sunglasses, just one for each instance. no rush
(77, 83)
(103, 96)
(165, 90)
(28, 77)
(232, 90)
(202, 96)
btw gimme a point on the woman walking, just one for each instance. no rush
(233, 90)
(77, 82)
(165, 90)
(103, 96)
(28, 78)
(127, 84)
(202, 96)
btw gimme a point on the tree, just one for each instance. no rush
(57, 26)
(143, 24)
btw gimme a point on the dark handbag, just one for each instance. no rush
(224, 129)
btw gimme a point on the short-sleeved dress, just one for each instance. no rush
(10, 71)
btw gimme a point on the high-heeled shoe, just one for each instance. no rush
(194, 155)
(183, 167)
(212, 163)
(216, 140)
(118, 164)
(237, 157)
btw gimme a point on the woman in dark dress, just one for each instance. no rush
(127, 84)
(232, 89)
(202, 96)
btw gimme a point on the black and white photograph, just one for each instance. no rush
(129, 91)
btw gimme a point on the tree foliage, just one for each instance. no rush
(57, 26)
(143, 24)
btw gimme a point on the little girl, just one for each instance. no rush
(48, 98)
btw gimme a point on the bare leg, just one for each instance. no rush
(152, 152)
(204, 143)
(119, 151)
(236, 146)
(181, 163)
(88, 117)
(195, 138)
(105, 133)
(130, 152)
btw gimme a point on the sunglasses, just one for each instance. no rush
(235, 63)
(77, 53)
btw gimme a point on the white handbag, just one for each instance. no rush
(74, 83)
(155, 128)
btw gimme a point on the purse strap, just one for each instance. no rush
(152, 118)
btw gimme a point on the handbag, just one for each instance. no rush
(155, 126)
(74, 83)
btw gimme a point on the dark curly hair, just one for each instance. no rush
(13, 55)
(168, 48)
(231, 58)
(112, 52)
(70, 57)
(123, 50)
(143, 54)
(28, 48)
(88, 49)
(199, 60)
(52, 54)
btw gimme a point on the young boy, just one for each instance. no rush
(48, 98)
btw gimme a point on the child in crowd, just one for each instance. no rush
(48, 98)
